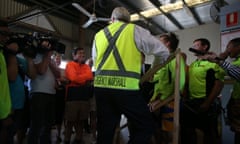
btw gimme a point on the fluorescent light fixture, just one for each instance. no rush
(168, 8)
(172, 7)
(196, 2)
(135, 17)
(150, 12)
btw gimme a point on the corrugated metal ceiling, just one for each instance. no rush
(182, 18)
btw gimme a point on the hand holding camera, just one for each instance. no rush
(30, 45)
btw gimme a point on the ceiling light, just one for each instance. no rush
(172, 7)
(168, 8)
(150, 12)
(195, 2)
(135, 17)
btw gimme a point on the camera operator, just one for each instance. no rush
(42, 92)
(17, 68)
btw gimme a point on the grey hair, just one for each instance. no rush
(121, 13)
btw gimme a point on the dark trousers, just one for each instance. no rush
(191, 118)
(111, 104)
(42, 118)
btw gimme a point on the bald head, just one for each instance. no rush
(121, 14)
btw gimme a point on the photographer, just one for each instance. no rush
(17, 68)
(42, 93)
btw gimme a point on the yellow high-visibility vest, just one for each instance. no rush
(118, 61)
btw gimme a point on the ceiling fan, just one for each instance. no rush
(91, 17)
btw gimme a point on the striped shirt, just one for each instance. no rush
(232, 70)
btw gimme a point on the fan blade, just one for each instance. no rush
(91, 20)
(103, 19)
(88, 23)
(80, 8)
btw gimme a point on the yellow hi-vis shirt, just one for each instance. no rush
(166, 80)
(118, 61)
(197, 77)
(5, 100)
(236, 85)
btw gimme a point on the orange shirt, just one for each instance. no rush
(78, 74)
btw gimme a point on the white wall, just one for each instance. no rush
(187, 36)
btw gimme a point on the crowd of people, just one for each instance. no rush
(37, 95)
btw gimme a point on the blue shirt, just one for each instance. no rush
(17, 87)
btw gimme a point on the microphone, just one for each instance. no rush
(198, 52)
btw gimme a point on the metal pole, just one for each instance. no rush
(176, 100)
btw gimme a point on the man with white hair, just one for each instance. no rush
(117, 58)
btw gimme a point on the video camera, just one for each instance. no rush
(30, 45)
(55, 44)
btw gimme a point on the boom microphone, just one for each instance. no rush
(198, 52)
